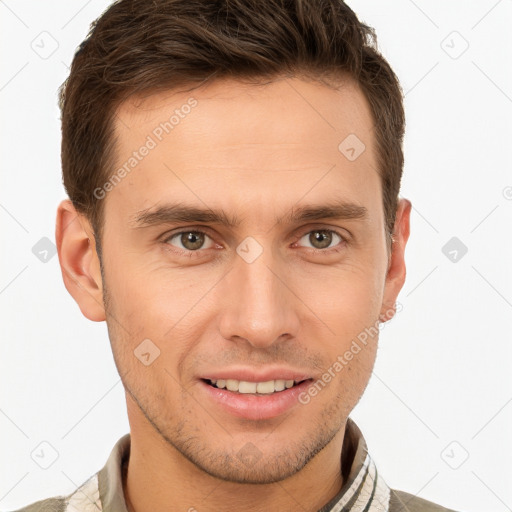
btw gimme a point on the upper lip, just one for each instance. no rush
(253, 375)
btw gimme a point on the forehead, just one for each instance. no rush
(283, 111)
(237, 144)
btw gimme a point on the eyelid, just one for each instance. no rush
(342, 233)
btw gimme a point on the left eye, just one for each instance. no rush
(190, 240)
(322, 238)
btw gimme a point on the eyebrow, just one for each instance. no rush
(179, 212)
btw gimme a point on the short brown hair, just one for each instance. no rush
(139, 46)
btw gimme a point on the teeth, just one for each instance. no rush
(232, 385)
(264, 388)
(279, 385)
(248, 387)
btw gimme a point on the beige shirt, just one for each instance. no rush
(364, 490)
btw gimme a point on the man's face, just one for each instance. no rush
(268, 298)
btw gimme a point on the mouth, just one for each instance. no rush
(242, 387)
(259, 398)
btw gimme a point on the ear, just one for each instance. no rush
(395, 276)
(79, 261)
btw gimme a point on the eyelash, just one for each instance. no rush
(191, 254)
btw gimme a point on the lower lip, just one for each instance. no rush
(255, 407)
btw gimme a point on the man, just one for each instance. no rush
(233, 170)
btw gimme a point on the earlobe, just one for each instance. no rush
(79, 261)
(395, 277)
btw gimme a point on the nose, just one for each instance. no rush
(258, 305)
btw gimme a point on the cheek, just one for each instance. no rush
(349, 306)
(166, 308)
(347, 299)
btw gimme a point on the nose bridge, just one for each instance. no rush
(260, 306)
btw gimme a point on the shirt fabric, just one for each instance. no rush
(363, 490)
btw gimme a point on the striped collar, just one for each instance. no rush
(363, 490)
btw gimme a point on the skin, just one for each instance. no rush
(256, 152)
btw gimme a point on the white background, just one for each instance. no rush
(442, 377)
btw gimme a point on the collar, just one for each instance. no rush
(364, 490)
